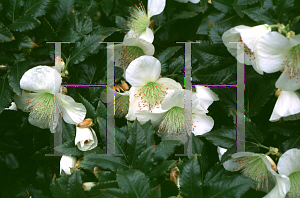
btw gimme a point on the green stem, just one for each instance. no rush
(275, 25)
(157, 28)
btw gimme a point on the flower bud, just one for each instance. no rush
(85, 139)
(273, 165)
(278, 92)
(88, 185)
(67, 163)
(290, 34)
(86, 123)
(124, 85)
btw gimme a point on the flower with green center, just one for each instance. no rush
(171, 120)
(44, 100)
(249, 36)
(278, 53)
(130, 49)
(289, 165)
(148, 90)
(287, 106)
(261, 169)
(139, 21)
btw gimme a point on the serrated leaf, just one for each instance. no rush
(121, 23)
(246, 2)
(167, 54)
(24, 42)
(252, 133)
(227, 186)
(149, 133)
(190, 180)
(84, 48)
(15, 74)
(68, 131)
(69, 148)
(36, 8)
(101, 109)
(215, 33)
(62, 9)
(291, 143)
(260, 15)
(184, 15)
(224, 137)
(161, 168)
(121, 141)
(222, 5)
(15, 9)
(105, 31)
(134, 183)
(6, 94)
(57, 190)
(136, 142)
(79, 23)
(164, 149)
(5, 34)
(107, 6)
(214, 173)
(145, 160)
(90, 110)
(24, 23)
(75, 188)
(155, 192)
(105, 162)
(105, 176)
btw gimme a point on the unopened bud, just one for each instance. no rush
(3, 67)
(280, 28)
(174, 174)
(290, 34)
(124, 85)
(278, 92)
(273, 165)
(86, 123)
(88, 185)
(64, 90)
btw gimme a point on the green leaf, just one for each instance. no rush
(184, 15)
(105, 31)
(6, 94)
(5, 34)
(15, 74)
(160, 169)
(202, 29)
(134, 183)
(145, 160)
(229, 186)
(136, 142)
(149, 133)
(246, 2)
(215, 33)
(102, 129)
(105, 176)
(82, 49)
(167, 54)
(121, 142)
(155, 192)
(291, 143)
(75, 185)
(90, 110)
(105, 162)
(36, 8)
(253, 133)
(24, 42)
(165, 149)
(107, 6)
(101, 109)
(282, 9)
(62, 9)
(14, 9)
(222, 5)
(113, 193)
(214, 173)
(260, 15)
(79, 23)
(224, 137)
(190, 179)
(24, 23)
(69, 148)
(121, 23)
(169, 189)
(57, 190)
(68, 131)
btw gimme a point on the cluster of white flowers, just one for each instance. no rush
(269, 51)
(263, 170)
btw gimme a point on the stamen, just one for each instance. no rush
(138, 19)
(292, 64)
(128, 54)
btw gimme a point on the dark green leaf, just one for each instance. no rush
(253, 133)
(69, 148)
(36, 8)
(167, 54)
(101, 110)
(15, 9)
(121, 23)
(24, 23)
(79, 23)
(149, 133)
(145, 160)
(24, 42)
(105, 176)
(75, 185)
(224, 137)
(246, 2)
(57, 190)
(5, 34)
(62, 9)
(165, 149)
(105, 31)
(169, 189)
(214, 173)
(215, 33)
(190, 179)
(134, 183)
(291, 143)
(6, 94)
(222, 5)
(260, 15)
(155, 192)
(90, 110)
(162, 168)
(68, 131)
(107, 6)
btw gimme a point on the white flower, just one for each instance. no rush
(148, 90)
(130, 49)
(12, 106)
(139, 21)
(206, 97)
(87, 186)
(261, 169)
(67, 163)
(249, 36)
(278, 53)
(171, 121)
(185, 1)
(221, 152)
(86, 139)
(287, 106)
(289, 165)
(44, 102)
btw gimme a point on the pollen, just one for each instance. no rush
(127, 54)
(138, 19)
(292, 64)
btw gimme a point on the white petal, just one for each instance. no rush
(289, 162)
(202, 123)
(182, 1)
(206, 96)
(255, 65)
(284, 82)
(73, 112)
(231, 165)
(281, 187)
(41, 79)
(87, 186)
(147, 35)
(169, 85)
(22, 101)
(155, 7)
(85, 139)
(12, 106)
(288, 103)
(66, 164)
(221, 152)
(195, 1)
(147, 47)
(177, 99)
(271, 50)
(145, 116)
(143, 70)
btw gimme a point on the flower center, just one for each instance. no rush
(295, 185)
(151, 94)
(43, 108)
(138, 19)
(292, 64)
(128, 54)
(173, 125)
(121, 107)
(254, 168)
(247, 51)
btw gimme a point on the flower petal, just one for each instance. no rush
(286, 83)
(281, 187)
(41, 79)
(147, 47)
(206, 96)
(143, 70)
(177, 99)
(289, 162)
(201, 123)
(73, 112)
(85, 139)
(66, 164)
(147, 35)
(155, 7)
(288, 103)
(22, 101)
(144, 116)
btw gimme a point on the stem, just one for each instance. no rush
(260, 145)
(157, 28)
(275, 25)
